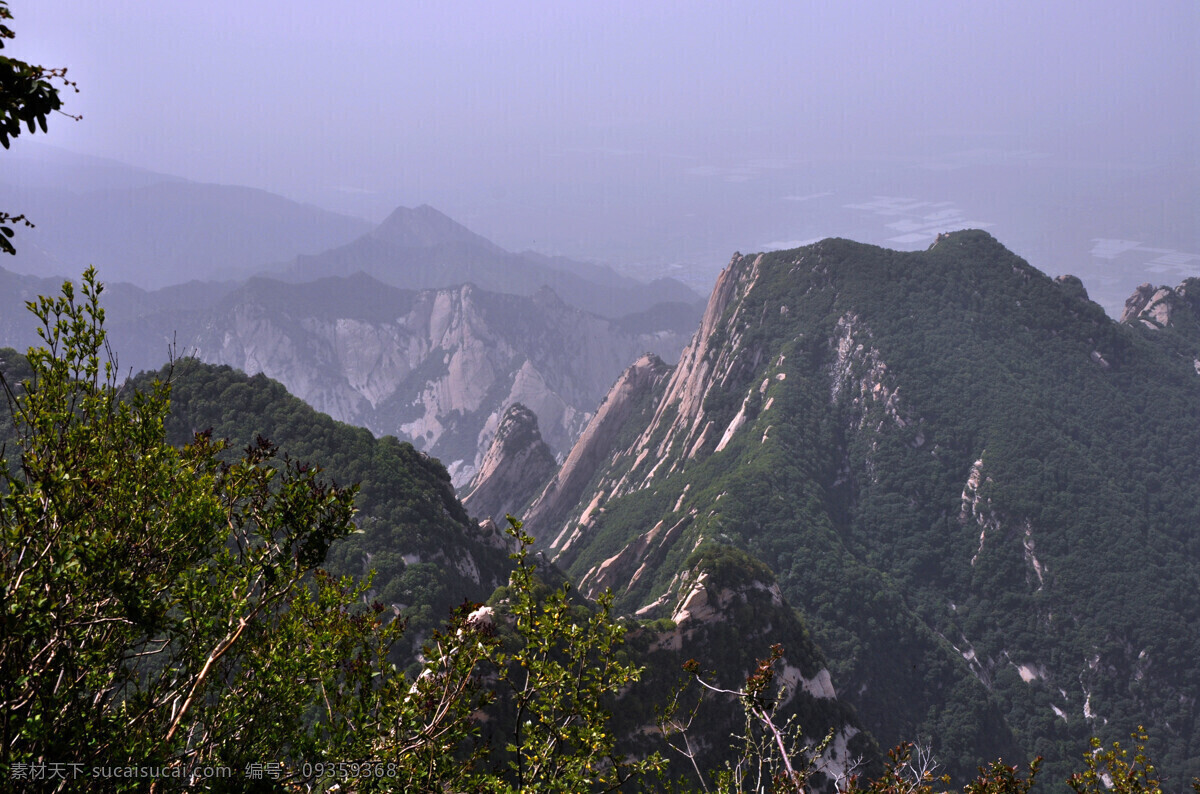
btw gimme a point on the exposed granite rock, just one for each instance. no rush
(595, 444)
(621, 572)
(1178, 309)
(516, 466)
(437, 367)
(1151, 306)
(703, 362)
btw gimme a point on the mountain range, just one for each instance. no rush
(965, 496)
(419, 328)
(421, 248)
(168, 232)
(155, 230)
(978, 490)
(437, 367)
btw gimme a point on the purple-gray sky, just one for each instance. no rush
(510, 115)
(297, 96)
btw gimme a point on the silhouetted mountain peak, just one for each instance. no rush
(422, 248)
(426, 227)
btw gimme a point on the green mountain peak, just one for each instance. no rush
(978, 489)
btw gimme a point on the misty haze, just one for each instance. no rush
(656, 139)
(850, 351)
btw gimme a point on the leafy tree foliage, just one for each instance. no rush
(770, 756)
(563, 668)
(27, 96)
(140, 580)
(163, 608)
(1112, 770)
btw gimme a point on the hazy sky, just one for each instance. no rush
(295, 95)
(574, 106)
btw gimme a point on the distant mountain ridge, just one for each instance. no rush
(156, 230)
(438, 367)
(169, 232)
(422, 248)
(368, 291)
(425, 227)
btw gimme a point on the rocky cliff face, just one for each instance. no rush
(514, 469)
(625, 404)
(726, 615)
(1162, 308)
(437, 367)
(909, 440)
(1152, 306)
(675, 420)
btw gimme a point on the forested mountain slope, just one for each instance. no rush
(429, 556)
(982, 493)
(428, 553)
